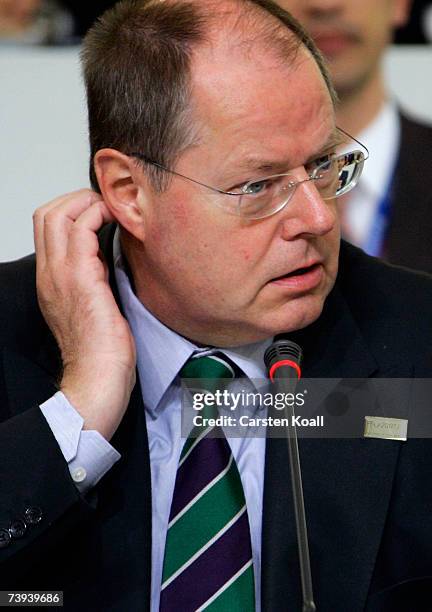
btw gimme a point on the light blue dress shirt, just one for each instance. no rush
(161, 353)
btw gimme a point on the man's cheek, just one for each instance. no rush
(245, 254)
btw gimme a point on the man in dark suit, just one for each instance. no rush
(389, 215)
(408, 240)
(212, 266)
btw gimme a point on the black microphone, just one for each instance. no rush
(283, 360)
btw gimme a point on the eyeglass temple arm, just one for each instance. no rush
(355, 140)
(153, 163)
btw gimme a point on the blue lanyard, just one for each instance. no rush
(374, 244)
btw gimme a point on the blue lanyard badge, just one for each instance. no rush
(375, 241)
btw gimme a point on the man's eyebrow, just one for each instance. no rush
(267, 165)
(336, 139)
(257, 164)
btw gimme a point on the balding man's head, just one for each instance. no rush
(238, 243)
(137, 65)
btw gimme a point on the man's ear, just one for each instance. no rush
(124, 189)
(401, 12)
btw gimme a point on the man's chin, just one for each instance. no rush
(272, 324)
(266, 322)
(305, 311)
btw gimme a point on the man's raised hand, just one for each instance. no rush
(97, 347)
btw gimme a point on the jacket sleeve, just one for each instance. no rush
(39, 501)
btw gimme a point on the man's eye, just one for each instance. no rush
(256, 188)
(324, 161)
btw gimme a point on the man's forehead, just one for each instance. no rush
(255, 99)
(223, 68)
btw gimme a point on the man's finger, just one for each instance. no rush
(76, 198)
(83, 240)
(58, 221)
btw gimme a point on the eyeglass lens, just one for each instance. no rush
(333, 178)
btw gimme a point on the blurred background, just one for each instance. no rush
(43, 126)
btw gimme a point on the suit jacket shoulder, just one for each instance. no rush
(18, 300)
(392, 306)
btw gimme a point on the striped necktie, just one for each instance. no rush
(208, 557)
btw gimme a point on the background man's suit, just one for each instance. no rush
(409, 236)
(368, 501)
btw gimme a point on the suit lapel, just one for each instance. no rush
(347, 486)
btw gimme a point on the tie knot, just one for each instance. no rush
(210, 367)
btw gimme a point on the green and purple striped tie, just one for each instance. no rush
(208, 557)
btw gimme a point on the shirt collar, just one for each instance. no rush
(382, 138)
(161, 352)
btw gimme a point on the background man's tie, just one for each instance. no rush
(208, 556)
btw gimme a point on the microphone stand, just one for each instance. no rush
(286, 378)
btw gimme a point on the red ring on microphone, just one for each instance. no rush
(284, 362)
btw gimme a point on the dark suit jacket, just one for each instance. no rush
(409, 237)
(369, 502)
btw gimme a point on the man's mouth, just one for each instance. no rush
(297, 272)
(301, 279)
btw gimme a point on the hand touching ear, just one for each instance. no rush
(97, 347)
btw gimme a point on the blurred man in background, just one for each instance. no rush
(35, 22)
(47, 22)
(389, 214)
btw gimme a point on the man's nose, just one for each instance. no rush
(307, 213)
